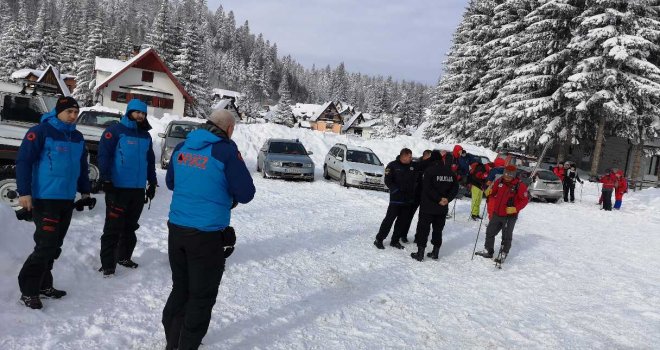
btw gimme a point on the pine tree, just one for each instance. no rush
(339, 84)
(191, 72)
(159, 36)
(12, 49)
(86, 69)
(284, 114)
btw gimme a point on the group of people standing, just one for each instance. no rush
(613, 182)
(432, 182)
(52, 165)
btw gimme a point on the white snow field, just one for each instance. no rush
(305, 274)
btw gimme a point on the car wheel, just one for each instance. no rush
(342, 180)
(9, 192)
(553, 200)
(325, 172)
(263, 172)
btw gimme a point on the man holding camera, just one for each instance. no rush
(126, 163)
(209, 178)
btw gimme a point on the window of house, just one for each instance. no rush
(165, 103)
(118, 96)
(147, 76)
(653, 166)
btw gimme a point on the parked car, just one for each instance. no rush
(91, 122)
(285, 159)
(354, 167)
(544, 184)
(175, 133)
(517, 158)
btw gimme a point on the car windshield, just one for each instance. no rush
(180, 131)
(362, 157)
(100, 119)
(547, 176)
(286, 148)
(22, 109)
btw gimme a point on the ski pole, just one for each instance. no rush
(453, 211)
(483, 213)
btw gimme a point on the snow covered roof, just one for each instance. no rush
(321, 110)
(25, 72)
(223, 104)
(42, 77)
(60, 79)
(302, 110)
(350, 122)
(369, 123)
(227, 93)
(108, 65)
(99, 108)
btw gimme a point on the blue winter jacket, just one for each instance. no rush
(126, 156)
(52, 161)
(464, 164)
(207, 174)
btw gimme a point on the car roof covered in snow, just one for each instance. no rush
(99, 108)
(284, 140)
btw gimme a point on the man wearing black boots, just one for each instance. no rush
(401, 179)
(439, 188)
(51, 166)
(127, 164)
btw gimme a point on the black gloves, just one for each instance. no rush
(24, 214)
(151, 191)
(88, 202)
(229, 240)
(107, 187)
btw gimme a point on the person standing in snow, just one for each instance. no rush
(401, 179)
(571, 176)
(208, 178)
(560, 171)
(439, 188)
(620, 188)
(496, 171)
(609, 182)
(51, 166)
(509, 197)
(126, 164)
(477, 182)
(419, 165)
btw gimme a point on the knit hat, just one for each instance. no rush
(510, 170)
(64, 103)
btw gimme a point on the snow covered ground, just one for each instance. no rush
(305, 274)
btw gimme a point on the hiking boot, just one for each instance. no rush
(128, 263)
(32, 302)
(434, 254)
(396, 245)
(404, 239)
(476, 217)
(107, 272)
(379, 244)
(52, 293)
(485, 253)
(419, 256)
(501, 258)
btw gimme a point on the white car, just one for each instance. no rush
(354, 167)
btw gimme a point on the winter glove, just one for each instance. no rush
(151, 191)
(24, 214)
(511, 210)
(229, 240)
(88, 202)
(488, 191)
(107, 187)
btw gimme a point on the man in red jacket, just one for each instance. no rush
(510, 196)
(609, 181)
(559, 171)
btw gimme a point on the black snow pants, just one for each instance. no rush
(397, 212)
(52, 219)
(405, 228)
(197, 261)
(424, 224)
(569, 188)
(497, 224)
(123, 209)
(607, 199)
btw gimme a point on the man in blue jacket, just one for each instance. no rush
(51, 167)
(209, 178)
(126, 163)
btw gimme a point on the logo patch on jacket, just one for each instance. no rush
(108, 135)
(192, 160)
(444, 178)
(31, 136)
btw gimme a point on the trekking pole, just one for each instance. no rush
(483, 213)
(453, 211)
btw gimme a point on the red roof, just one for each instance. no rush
(148, 59)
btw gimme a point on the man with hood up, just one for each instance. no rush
(51, 166)
(126, 164)
(439, 188)
(208, 178)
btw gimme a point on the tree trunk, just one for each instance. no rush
(638, 151)
(598, 148)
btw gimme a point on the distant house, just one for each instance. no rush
(324, 117)
(146, 77)
(357, 125)
(49, 79)
(222, 94)
(228, 104)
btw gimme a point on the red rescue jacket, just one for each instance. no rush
(608, 181)
(560, 172)
(621, 188)
(511, 194)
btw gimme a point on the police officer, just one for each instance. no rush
(51, 166)
(126, 164)
(200, 238)
(401, 179)
(439, 188)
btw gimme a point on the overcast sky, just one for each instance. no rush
(405, 39)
